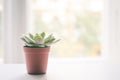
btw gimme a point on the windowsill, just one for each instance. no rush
(71, 60)
(75, 60)
(89, 71)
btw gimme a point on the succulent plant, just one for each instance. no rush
(39, 40)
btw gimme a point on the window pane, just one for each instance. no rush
(77, 22)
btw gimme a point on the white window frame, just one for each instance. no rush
(16, 19)
(14, 25)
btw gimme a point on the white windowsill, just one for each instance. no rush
(71, 60)
(76, 60)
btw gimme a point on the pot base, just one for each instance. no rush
(36, 73)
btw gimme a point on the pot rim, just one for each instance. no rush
(36, 47)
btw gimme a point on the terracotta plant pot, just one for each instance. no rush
(36, 59)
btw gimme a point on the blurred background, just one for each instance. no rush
(78, 24)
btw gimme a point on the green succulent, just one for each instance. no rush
(39, 40)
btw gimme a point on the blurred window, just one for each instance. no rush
(77, 22)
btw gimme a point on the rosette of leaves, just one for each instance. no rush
(39, 40)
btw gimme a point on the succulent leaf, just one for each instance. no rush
(28, 39)
(43, 34)
(24, 40)
(39, 41)
(31, 36)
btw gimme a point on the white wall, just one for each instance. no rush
(113, 31)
